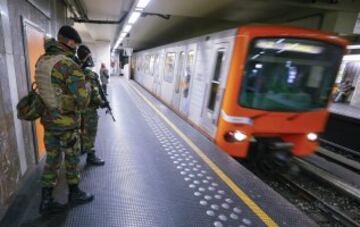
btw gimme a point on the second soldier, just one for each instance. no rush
(89, 118)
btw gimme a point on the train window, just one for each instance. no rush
(190, 59)
(289, 74)
(147, 64)
(169, 66)
(151, 65)
(179, 71)
(138, 64)
(215, 83)
(157, 63)
(187, 79)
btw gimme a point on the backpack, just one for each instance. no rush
(31, 106)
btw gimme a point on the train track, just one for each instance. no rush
(349, 192)
(328, 211)
(340, 150)
(329, 179)
(339, 159)
(326, 199)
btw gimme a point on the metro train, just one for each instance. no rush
(255, 90)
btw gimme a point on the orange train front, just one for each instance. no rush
(262, 87)
(279, 84)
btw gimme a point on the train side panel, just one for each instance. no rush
(194, 82)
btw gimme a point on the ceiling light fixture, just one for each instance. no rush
(123, 35)
(142, 3)
(134, 17)
(118, 43)
(127, 28)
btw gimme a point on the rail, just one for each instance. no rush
(340, 147)
(334, 213)
(340, 185)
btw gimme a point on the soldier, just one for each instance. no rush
(89, 117)
(61, 85)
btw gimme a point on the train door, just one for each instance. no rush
(168, 78)
(185, 83)
(179, 72)
(151, 71)
(214, 89)
(157, 76)
(34, 47)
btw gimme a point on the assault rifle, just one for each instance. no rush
(106, 101)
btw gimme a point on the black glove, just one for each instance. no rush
(103, 105)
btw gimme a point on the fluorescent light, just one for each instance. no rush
(120, 39)
(118, 42)
(134, 17)
(123, 35)
(127, 28)
(138, 9)
(142, 3)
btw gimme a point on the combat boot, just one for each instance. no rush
(92, 159)
(47, 204)
(77, 196)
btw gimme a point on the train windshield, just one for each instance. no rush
(289, 74)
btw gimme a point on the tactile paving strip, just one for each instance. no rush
(218, 205)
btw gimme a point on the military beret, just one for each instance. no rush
(69, 32)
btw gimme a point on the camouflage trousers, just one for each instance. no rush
(89, 125)
(56, 143)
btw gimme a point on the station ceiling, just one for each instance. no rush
(188, 18)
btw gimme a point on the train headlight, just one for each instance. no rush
(312, 136)
(235, 136)
(239, 136)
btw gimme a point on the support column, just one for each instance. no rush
(5, 24)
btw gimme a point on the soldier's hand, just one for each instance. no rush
(103, 105)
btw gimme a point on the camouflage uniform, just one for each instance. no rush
(90, 116)
(62, 125)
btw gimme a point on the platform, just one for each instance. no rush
(160, 171)
(343, 126)
(345, 110)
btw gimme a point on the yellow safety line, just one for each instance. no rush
(240, 193)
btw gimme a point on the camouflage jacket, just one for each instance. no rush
(92, 79)
(68, 81)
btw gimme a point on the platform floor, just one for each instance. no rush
(345, 110)
(161, 172)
